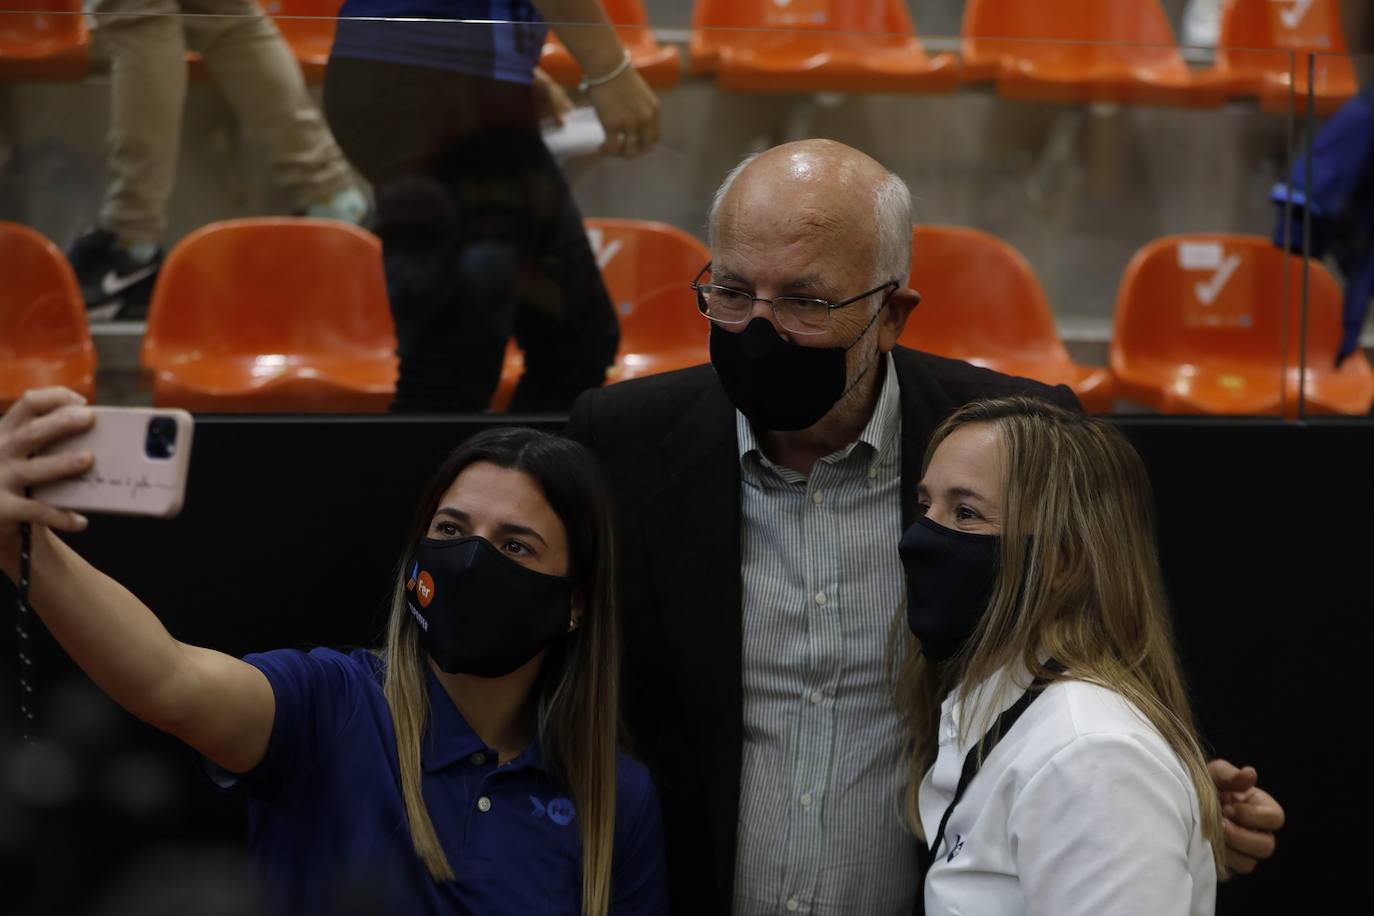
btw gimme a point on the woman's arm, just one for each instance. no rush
(626, 106)
(1106, 826)
(217, 704)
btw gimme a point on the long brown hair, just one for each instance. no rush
(1088, 592)
(576, 694)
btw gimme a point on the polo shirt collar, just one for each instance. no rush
(449, 739)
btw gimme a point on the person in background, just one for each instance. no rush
(481, 238)
(471, 765)
(116, 259)
(1054, 763)
(759, 498)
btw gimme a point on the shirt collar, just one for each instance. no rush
(449, 739)
(879, 434)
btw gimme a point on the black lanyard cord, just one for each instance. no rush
(21, 632)
(979, 752)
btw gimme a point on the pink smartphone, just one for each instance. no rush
(142, 455)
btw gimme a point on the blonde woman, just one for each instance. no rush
(1055, 765)
(470, 766)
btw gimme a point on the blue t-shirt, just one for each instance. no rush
(328, 830)
(502, 41)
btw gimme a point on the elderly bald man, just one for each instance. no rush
(761, 500)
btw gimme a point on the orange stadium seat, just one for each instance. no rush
(43, 335)
(1203, 326)
(1082, 51)
(660, 65)
(815, 46)
(308, 29)
(272, 315)
(1264, 50)
(982, 303)
(647, 268)
(47, 41)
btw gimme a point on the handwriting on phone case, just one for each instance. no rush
(136, 484)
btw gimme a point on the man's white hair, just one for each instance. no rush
(891, 216)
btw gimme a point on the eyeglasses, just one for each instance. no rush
(726, 306)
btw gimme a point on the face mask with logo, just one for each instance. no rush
(779, 385)
(479, 611)
(949, 580)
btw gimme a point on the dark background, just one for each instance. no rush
(292, 529)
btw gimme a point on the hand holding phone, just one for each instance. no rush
(122, 460)
(142, 455)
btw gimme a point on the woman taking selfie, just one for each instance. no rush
(469, 765)
(1055, 766)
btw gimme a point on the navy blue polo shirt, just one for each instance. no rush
(328, 829)
(502, 39)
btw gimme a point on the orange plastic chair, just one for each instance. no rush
(272, 315)
(47, 41)
(1264, 52)
(660, 65)
(982, 303)
(647, 268)
(1203, 326)
(308, 29)
(43, 335)
(1082, 51)
(815, 46)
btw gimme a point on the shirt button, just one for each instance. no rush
(817, 696)
(793, 904)
(872, 473)
(478, 759)
(806, 799)
(818, 497)
(820, 598)
(484, 804)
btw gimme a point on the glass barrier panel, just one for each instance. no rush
(1071, 165)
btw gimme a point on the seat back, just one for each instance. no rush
(647, 268)
(980, 299)
(1068, 31)
(270, 286)
(1223, 299)
(44, 339)
(308, 25)
(1263, 37)
(44, 39)
(873, 16)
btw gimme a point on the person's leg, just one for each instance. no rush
(567, 325)
(147, 92)
(115, 260)
(405, 129)
(254, 69)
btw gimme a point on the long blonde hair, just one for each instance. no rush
(577, 691)
(1088, 591)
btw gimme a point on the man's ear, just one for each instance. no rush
(893, 319)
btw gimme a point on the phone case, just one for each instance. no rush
(125, 479)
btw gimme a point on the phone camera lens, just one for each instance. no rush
(162, 437)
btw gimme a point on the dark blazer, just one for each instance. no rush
(669, 447)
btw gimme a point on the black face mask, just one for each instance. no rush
(779, 385)
(480, 612)
(949, 579)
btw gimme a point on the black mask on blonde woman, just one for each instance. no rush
(949, 580)
(480, 612)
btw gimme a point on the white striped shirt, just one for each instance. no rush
(819, 825)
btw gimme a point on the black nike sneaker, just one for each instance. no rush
(114, 284)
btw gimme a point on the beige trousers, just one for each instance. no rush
(254, 69)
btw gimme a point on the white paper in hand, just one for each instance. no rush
(580, 135)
